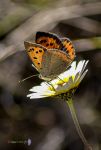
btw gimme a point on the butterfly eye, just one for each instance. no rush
(40, 50)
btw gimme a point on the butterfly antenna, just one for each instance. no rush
(28, 78)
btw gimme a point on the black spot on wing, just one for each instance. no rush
(51, 44)
(40, 50)
(35, 57)
(47, 44)
(31, 49)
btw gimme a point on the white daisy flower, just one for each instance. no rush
(63, 84)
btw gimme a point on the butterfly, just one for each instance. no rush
(50, 54)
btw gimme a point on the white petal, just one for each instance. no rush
(36, 95)
(39, 89)
(83, 75)
(76, 77)
(65, 87)
(85, 64)
(35, 89)
(63, 83)
(79, 66)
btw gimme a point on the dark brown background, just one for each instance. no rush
(47, 122)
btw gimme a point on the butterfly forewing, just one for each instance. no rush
(48, 40)
(35, 53)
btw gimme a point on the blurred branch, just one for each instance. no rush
(13, 19)
(46, 20)
(87, 44)
(80, 46)
(6, 52)
(86, 24)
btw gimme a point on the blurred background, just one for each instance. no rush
(47, 123)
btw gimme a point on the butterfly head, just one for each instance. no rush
(44, 78)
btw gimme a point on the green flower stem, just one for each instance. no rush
(76, 122)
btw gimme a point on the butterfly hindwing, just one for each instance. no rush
(54, 62)
(48, 40)
(35, 52)
(68, 48)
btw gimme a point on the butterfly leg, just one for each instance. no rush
(51, 86)
(61, 79)
(34, 67)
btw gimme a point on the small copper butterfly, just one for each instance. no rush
(50, 54)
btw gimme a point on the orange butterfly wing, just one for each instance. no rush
(48, 40)
(35, 52)
(68, 47)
